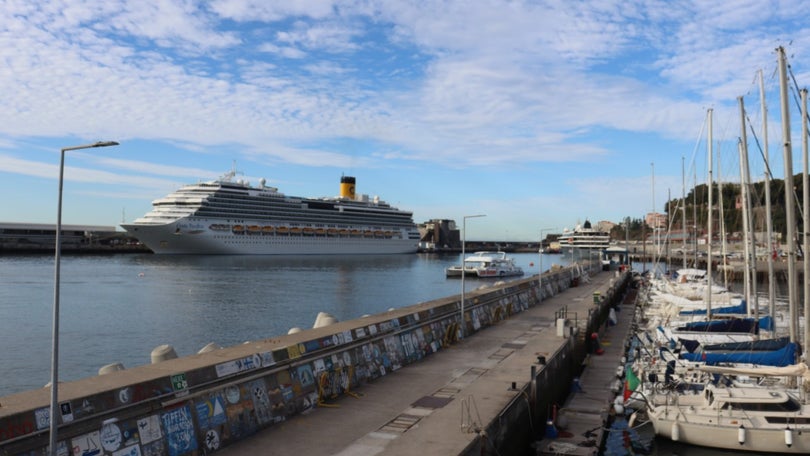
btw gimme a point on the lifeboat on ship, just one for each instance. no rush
(238, 229)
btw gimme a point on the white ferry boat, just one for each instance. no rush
(584, 239)
(232, 217)
(486, 264)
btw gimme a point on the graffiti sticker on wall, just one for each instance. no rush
(149, 429)
(241, 365)
(133, 450)
(110, 436)
(87, 445)
(179, 431)
(211, 412)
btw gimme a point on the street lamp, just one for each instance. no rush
(540, 276)
(464, 267)
(55, 348)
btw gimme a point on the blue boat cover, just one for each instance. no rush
(783, 357)
(737, 325)
(751, 345)
(739, 309)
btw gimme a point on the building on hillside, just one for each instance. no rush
(656, 220)
(439, 234)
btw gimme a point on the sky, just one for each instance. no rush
(537, 114)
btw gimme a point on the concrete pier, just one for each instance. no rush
(448, 403)
(401, 382)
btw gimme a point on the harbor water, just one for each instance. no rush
(118, 308)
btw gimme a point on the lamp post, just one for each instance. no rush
(540, 276)
(464, 267)
(53, 418)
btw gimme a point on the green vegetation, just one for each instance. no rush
(696, 209)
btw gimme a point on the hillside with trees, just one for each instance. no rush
(697, 210)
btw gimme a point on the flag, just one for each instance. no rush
(631, 382)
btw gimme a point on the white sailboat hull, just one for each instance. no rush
(724, 432)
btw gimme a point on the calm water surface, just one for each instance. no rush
(117, 308)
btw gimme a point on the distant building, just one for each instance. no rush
(605, 225)
(656, 220)
(42, 237)
(438, 234)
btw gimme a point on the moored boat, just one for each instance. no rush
(486, 264)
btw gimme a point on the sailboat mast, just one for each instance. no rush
(768, 222)
(746, 257)
(721, 218)
(805, 231)
(683, 210)
(748, 217)
(789, 203)
(709, 220)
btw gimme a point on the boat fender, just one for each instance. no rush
(741, 435)
(551, 431)
(675, 431)
(619, 372)
(788, 437)
(632, 420)
(618, 405)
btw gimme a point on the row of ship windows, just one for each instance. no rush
(262, 207)
(259, 209)
(243, 240)
(295, 213)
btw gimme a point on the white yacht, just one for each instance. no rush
(751, 419)
(232, 217)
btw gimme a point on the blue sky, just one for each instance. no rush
(538, 114)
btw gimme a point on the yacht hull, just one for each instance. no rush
(725, 435)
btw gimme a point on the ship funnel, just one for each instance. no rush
(347, 187)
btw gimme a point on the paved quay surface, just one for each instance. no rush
(435, 405)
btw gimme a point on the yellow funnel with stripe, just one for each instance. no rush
(347, 187)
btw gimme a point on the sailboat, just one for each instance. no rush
(739, 416)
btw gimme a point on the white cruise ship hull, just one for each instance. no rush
(170, 239)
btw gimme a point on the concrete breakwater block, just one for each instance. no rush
(211, 346)
(324, 319)
(162, 353)
(109, 368)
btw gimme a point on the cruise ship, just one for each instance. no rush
(228, 216)
(583, 240)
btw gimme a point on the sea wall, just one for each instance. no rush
(201, 403)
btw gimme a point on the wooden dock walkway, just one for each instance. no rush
(581, 421)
